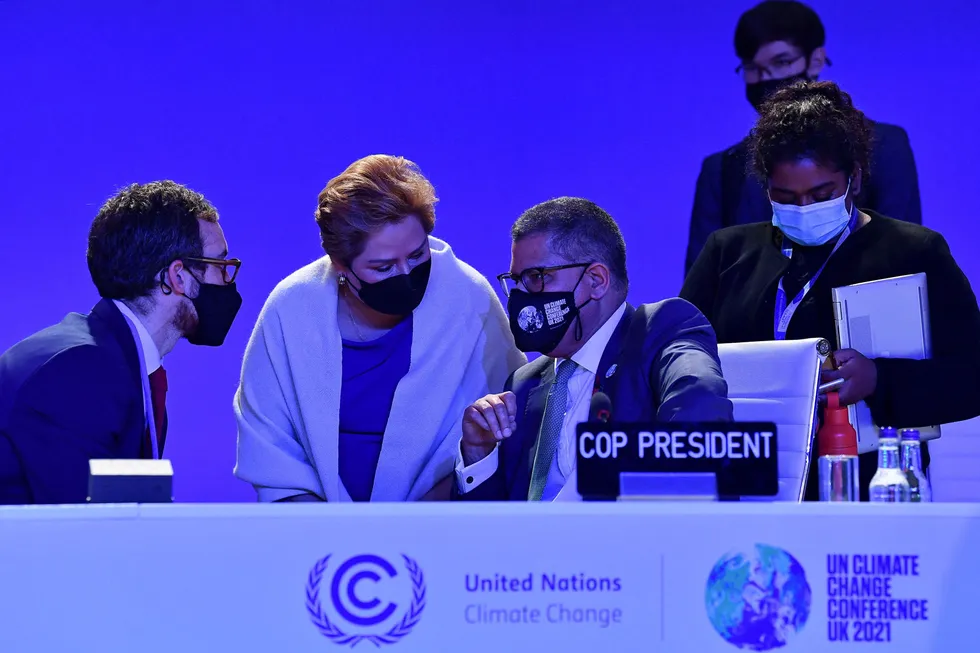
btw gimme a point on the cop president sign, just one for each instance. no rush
(741, 455)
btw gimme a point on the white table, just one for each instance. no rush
(605, 577)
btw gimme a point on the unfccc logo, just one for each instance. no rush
(370, 600)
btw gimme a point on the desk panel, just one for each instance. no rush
(477, 578)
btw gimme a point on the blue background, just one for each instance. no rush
(503, 105)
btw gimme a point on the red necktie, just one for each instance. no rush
(158, 397)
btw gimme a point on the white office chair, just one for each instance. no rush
(777, 382)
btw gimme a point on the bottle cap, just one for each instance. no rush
(888, 436)
(910, 434)
(836, 437)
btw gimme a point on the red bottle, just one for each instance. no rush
(838, 451)
(836, 437)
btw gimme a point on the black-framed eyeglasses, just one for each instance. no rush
(533, 279)
(778, 69)
(229, 266)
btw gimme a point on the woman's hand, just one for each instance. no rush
(859, 373)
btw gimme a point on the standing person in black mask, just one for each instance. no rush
(93, 386)
(566, 292)
(780, 42)
(362, 362)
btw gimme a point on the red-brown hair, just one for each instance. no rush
(373, 192)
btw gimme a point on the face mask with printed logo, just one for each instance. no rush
(540, 320)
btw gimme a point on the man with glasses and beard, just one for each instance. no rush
(567, 300)
(780, 42)
(93, 386)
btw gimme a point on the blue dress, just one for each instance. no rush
(371, 372)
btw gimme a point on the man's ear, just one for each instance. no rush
(598, 279)
(817, 62)
(175, 278)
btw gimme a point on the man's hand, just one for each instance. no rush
(485, 423)
(859, 373)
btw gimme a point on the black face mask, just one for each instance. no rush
(216, 306)
(759, 92)
(540, 320)
(398, 295)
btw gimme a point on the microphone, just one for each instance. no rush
(600, 410)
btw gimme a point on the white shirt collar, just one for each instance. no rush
(590, 355)
(151, 355)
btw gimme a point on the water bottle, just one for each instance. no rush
(889, 484)
(837, 447)
(919, 488)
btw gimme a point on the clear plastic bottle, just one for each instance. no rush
(838, 462)
(911, 457)
(889, 484)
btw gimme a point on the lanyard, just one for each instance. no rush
(784, 313)
(147, 392)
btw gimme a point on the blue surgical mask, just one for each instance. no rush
(813, 224)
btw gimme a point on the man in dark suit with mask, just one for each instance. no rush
(93, 386)
(567, 299)
(779, 43)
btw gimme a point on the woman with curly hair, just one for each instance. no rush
(811, 148)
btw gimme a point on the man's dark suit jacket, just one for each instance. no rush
(69, 393)
(675, 376)
(727, 195)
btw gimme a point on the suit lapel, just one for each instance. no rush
(605, 375)
(529, 428)
(110, 316)
(107, 313)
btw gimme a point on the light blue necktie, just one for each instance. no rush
(551, 425)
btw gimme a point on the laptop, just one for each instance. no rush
(886, 318)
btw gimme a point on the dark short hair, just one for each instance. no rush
(142, 230)
(373, 192)
(579, 232)
(778, 20)
(811, 120)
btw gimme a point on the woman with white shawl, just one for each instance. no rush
(361, 364)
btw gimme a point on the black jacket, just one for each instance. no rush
(734, 282)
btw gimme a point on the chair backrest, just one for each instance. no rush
(777, 381)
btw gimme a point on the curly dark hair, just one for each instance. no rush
(811, 120)
(140, 231)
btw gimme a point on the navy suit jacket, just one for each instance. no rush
(676, 376)
(69, 393)
(727, 195)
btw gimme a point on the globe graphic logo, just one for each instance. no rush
(758, 600)
(530, 319)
